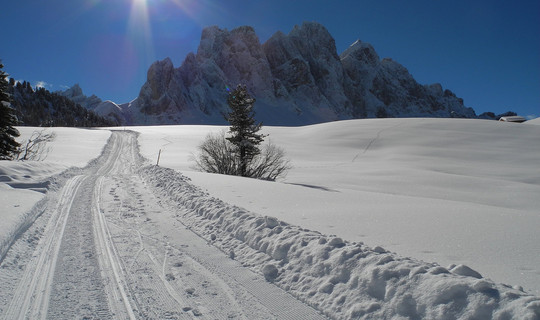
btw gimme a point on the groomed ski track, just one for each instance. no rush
(104, 248)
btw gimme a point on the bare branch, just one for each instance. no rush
(35, 148)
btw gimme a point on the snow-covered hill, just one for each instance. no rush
(444, 190)
(453, 191)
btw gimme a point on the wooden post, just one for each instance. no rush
(159, 155)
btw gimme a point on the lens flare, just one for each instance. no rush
(140, 30)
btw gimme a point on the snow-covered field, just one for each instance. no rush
(442, 190)
(456, 192)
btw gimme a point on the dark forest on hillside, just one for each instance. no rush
(42, 108)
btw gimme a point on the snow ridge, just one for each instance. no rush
(342, 279)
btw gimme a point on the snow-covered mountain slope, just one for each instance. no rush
(110, 110)
(297, 78)
(444, 190)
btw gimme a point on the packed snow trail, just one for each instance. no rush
(107, 249)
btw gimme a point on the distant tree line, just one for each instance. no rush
(41, 108)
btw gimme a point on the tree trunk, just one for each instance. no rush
(243, 162)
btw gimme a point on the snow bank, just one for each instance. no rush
(16, 213)
(24, 184)
(343, 279)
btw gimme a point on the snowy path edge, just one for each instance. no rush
(339, 278)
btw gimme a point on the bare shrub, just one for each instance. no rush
(270, 163)
(218, 155)
(35, 148)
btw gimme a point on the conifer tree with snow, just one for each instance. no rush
(243, 128)
(8, 146)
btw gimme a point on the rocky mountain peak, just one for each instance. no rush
(312, 38)
(297, 78)
(208, 41)
(75, 94)
(74, 91)
(312, 30)
(361, 52)
(159, 75)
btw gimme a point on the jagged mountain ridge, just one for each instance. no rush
(106, 109)
(75, 94)
(41, 108)
(296, 78)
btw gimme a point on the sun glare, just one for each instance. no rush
(140, 30)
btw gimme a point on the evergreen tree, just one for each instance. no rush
(243, 128)
(8, 145)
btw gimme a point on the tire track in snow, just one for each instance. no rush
(63, 279)
(169, 282)
(278, 303)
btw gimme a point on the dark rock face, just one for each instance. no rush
(297, 79)
(75, 94)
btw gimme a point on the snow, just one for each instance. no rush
(22, 184)
(533, 121)
(341, 278)
(455, 199)
(105, 247)
(449, 191)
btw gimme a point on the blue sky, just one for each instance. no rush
(487, 52)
